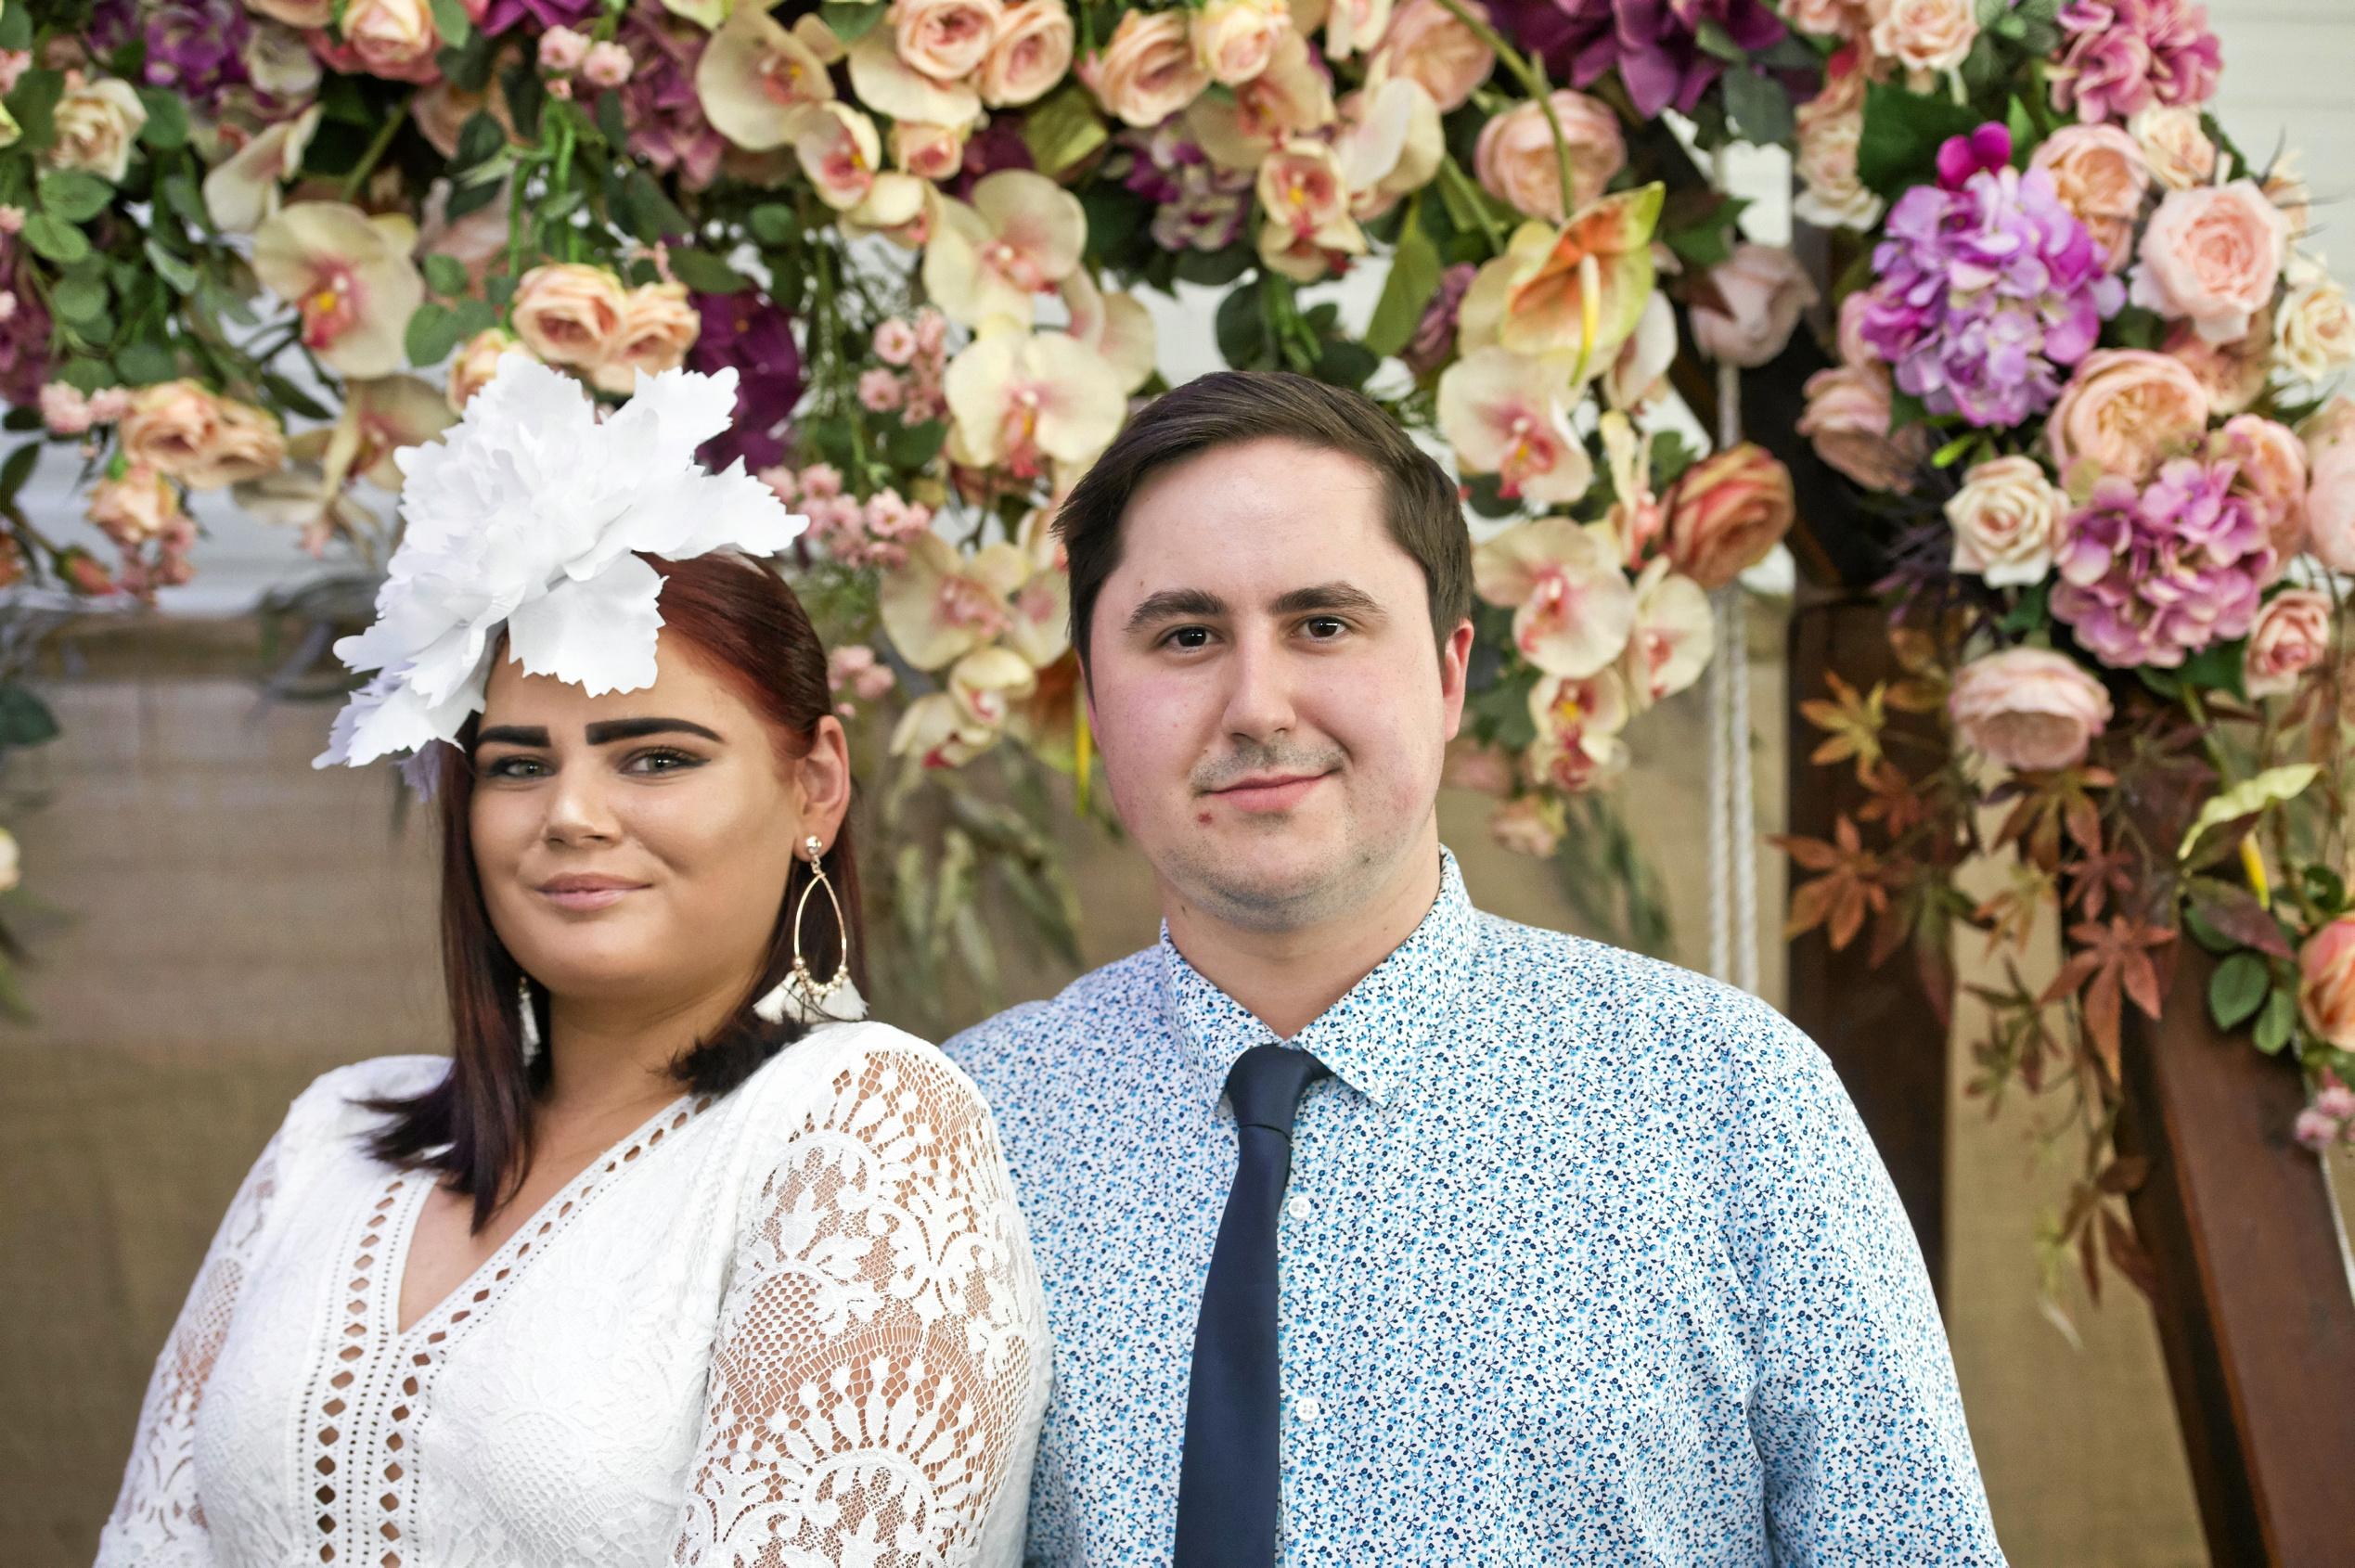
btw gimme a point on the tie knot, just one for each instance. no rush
(1265, 1084)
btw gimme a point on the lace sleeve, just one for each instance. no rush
(871, 1381)
(159, 1519)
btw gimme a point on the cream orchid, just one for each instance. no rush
(1021, 237)
(1509, 414)
(1291, 97)
(758, 81)
(1636, 518)
(1639, 372)
(1019, 401)
(1673, 637)
(1573, 606)
(1578, 722)
(1580, 287)
(1306, 202)
(241, 193)
(890, 86)
(350, 275)
(313, 491)
(839, 151)
(948, 728)
(941, 606)
(1116, 325)
(1390, 144)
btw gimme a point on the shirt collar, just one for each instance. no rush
(1375, 1035)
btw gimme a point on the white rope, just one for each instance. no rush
(1720, 786)
(1733, 861)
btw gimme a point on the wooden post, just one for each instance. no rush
(2255, 1313)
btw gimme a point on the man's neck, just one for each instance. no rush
(1287, 979)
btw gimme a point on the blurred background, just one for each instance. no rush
(231, 923)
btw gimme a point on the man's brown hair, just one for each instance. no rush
(1229, 407)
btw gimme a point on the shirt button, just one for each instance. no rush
(1299, 1207)
(1308, 1407)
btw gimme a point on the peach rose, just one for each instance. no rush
(394, 39)
(2212, 256)
(2006, 518)
(658, 326)
(929, 152)
(2028, 709)
(2122, 411)
(1235, 40)
(2231, 373)
(96, 123)
(1031, 54)
(2174, 146)
(170, 425)
(1854, 352)
(1831, 128)
(1531, 826)
(2326, 982)
(1727, 512)
(1924, 35)
(1763, 288)
(2102, 176)
(945, 40)
(2273, 472)
(1147, 72)
(1515, 162)
(246, 444)
(138, 506)
(303, 14)
(1850, 19)
(1847, 419)
(2314, 329)
(570, 313)
(1426, 43)
(1354, 27)
(2330, 485)
(2292, 635)
(477, 363)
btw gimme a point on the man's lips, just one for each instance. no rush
(1274, 792)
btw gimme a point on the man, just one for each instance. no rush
(1569, 1256)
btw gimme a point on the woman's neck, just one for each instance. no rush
(606, 1057)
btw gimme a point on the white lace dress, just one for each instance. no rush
(796, 1326)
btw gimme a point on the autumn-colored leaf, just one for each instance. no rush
(2110, 964)
(1853, 884)
(2126, 1173)
(1851, 722)
(2126, 1251)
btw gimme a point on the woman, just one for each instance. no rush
(712, 1276)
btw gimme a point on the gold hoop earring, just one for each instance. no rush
(801, 995)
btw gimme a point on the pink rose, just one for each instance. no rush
(658, 326)
(1762, 289)
(2233, 373)
(2326, 982)
(1854, 352)
(562, 50)
(2314, 335)
(1924, 35)
(2212, 256)
(1427, 44)
(2122, 411)
(1147, 72)
(2174, 145)
(1528, 826)
(1727, 512)
(929, 152)
(2102, 176)
(247, 442)
(2028, 709)
(393, 39)
(183, 431)
(2292, 635)
(1831, 128)
(2006, 518)
(476, 364)
(880, 390)
(1847, 419)
(1236, 40)
(2273, 472)
(1031, 54)
(138, 506)
(2330, 484)
(607, 64)
(570, 313)
(895, 342)
(945, 40)
(1514, 156)
(64, 411)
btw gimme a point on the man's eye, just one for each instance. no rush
(1324, 629)
(1189, 637)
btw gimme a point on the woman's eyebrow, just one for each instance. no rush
(598, 733)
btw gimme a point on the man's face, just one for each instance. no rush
(1271, 704)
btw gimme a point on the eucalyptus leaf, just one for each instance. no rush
(1760, 106)
(705, 272)
(774, 223)
(17, 469)
(445, 275)
(54, 238)
(25, 720)
(432, 333)
(176, 273)
(79, 300)
(2237, 989)
(167, 124)
(850, 22)
(143, 364)
(2278, 1023)
(73, 194)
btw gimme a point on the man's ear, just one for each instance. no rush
(1454, 662)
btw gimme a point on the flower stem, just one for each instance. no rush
(375, 153)
(1532, 76)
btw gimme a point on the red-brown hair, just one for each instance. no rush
(475, 1126)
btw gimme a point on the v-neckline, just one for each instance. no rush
(490, 1278)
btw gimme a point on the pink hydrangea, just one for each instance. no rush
(2122, 56)
(2151, 576)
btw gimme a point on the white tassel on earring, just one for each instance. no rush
(800, 995)
(527, 1022)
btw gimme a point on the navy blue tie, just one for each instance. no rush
(1228, 1477)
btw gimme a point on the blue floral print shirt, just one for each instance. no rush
(1585, 1258)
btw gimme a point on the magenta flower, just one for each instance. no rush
(1199, 205)
(1983, 291)
(1434, 340)
(659, 102)
(2122, 56)
(1654, 44)
(2152, 575)
(749, 332)
(544, 13)
(24, 329)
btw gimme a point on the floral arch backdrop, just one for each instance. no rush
(2083, 351)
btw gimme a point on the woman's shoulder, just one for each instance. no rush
(842, 1073)
(336, 1105)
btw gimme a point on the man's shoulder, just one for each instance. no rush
(1092, 1014)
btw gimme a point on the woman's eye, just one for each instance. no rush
(662, 761)
(510, 767)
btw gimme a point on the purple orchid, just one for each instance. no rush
(748, 332)
(1654, 44)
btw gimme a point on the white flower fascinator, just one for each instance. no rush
(528, 511)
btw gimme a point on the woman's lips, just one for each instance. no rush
(1275, 795)
(581, 900)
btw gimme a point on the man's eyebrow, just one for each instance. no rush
(1326, 596)
(600, 734)
(1170, 603)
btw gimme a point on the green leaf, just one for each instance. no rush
(182, 194)
(479, 138)
(432, 333)
(176, 273)
(1344, 362)
(446, 275)
(15, 26)
(79, 300)
(1214, 269)
(74, 196)
(34, 105)
(652, 215)
(1062, 128)
(85, 375)
(54, 238)
(1902, 133)
(470, 196)
(291, 397)
(610, 123)
(145, 364)
(2237, 989)
(1761, 106)
(2247, 798)
(1241, 331)
(2278, 1023)
(2324, 888)
(914, 446)
(25, 720)
(17, 469)
(167, 126)
(452, 22)
(706, 274)
(1414, 278)
(1716, 42)
(773, 223)
(850, 21)
(2217, 667)
(471, 316)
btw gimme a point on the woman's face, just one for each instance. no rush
(634, 846)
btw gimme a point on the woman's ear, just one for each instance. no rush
(823, 778)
